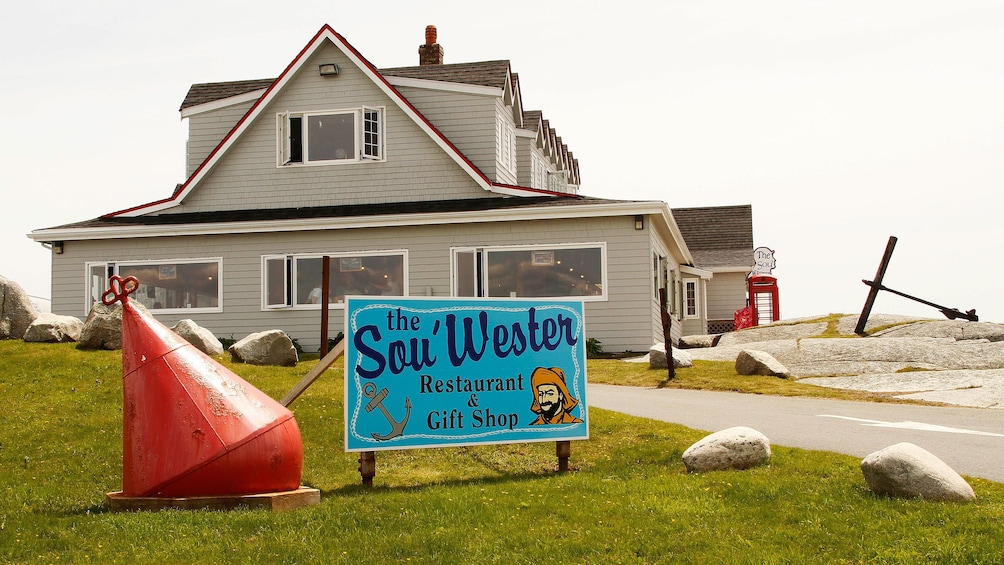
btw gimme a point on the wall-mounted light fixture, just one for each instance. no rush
(57, 247)
(639, 222)
(328, 69)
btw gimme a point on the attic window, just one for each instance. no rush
(329, 136)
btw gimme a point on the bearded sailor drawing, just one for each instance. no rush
(552, 402)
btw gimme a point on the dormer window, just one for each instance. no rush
(325, 137)
(557, 181)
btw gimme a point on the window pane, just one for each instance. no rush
(466, 283)
(545, 273)
(98, 282)
(295, 140)
(371, 133)
(308, 280)
(691, 298)
(175, 285)
(331, 137)
(367, 275)
(275, 282)
(374, 276)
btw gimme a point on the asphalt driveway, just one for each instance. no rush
(970, 440)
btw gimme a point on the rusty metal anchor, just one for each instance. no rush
(376, 401)
(876, 286)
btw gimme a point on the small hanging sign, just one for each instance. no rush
(763, 261)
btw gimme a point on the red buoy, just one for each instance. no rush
(191, 427)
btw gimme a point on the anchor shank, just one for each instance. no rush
(873, 293)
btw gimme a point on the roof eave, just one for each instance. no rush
(626, 208)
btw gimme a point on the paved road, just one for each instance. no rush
(970, 440)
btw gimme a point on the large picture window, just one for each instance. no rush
(531, 272)
(294, 281)
(190, 285)
(330, 136)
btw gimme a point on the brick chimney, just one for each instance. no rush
(431, 53)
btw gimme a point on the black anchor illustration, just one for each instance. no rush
(376, 401)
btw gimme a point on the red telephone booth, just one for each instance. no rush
(763, 298)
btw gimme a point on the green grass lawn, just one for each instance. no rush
(628, 498)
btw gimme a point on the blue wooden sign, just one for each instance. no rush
(422, 372)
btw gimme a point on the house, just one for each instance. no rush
(421, 181)
(720, 239)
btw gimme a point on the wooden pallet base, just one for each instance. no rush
(275, 501)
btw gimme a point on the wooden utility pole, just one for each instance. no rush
(325, 287)
(667, 333)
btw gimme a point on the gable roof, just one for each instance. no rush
(484, 73)
(213, 91)
(719, 237)
(325, 34)
(489, 74)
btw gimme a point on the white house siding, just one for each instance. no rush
(660, 249)
(527, 148)
(502, 174)
(725, 292)
(692, 326)
(627, 250)
(415, 168)
(467, 120)
(206, 130)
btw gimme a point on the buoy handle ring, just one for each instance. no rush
(119, 290)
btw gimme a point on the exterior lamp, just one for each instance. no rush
(639, 222)
(328, 69)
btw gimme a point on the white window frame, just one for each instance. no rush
(92, 294)
(687, 314)
(290, 278)
(557, 181)
(114, 268)
(505, 144)
(372, 150)
(287, 297)
(483, 253)
(455, 274)
(365, 150)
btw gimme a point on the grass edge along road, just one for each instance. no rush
(628, 498)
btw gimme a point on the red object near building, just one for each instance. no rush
(743, 318)
(191, 427)
(764, 299)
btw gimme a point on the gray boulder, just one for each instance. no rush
(657, 358)
(53, 328)
(778, 330)
(753, 362)
(699, 341)
(16, 310)
(200, 337)
(103, 327)
(272, 347)
(732, 448)
(959, 330)
(906, 470)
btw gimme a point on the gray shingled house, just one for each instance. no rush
(720, 240)
(422, 181)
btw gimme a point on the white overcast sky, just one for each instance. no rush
(840, 122)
